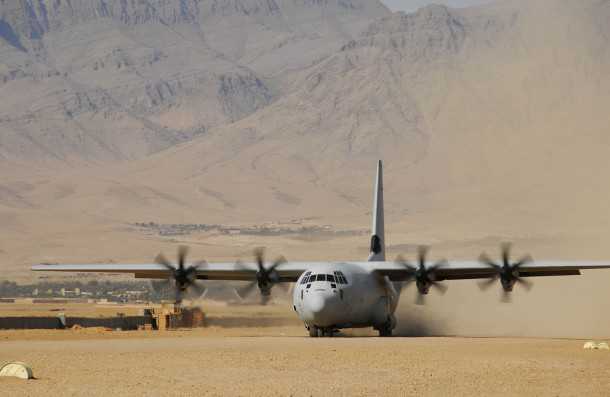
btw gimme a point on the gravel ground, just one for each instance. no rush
(280, 361)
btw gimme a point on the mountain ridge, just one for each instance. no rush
(147, 69)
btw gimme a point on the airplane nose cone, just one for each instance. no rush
(316, 304)
(321, 309)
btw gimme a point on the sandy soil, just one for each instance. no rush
(253, 350)
(197, 364)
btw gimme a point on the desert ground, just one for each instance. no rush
(256, 350)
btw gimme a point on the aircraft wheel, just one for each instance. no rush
(328, 332)
(385, 332)
(314, 331)
(386, 329)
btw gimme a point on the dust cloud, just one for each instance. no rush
(566, 307)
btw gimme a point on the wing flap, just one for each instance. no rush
(550, 273)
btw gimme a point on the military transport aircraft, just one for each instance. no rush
(333, 295)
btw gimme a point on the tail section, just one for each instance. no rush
(378, 229)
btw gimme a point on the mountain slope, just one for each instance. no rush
(99, 80)
(462, 105)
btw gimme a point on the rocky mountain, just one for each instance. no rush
(453, 100)
(100, 80)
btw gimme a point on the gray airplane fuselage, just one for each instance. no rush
(364, 300)
(350, 295)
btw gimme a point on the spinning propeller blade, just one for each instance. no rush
(425, 277)
(184, 277)
(507, 272)
(266, 277)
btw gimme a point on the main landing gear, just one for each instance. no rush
(385, 330)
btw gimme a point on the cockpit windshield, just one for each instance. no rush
(337, 278)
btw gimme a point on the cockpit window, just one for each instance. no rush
(340, 278)
(321, 277)
(330, 278)
(305, 278)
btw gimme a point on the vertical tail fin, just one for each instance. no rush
(377, 252)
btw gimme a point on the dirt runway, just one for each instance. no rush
(283, 362)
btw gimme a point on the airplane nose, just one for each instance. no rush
(316, 304)
(321, 309)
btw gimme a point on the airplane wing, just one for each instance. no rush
(288, 272)
(464, 270)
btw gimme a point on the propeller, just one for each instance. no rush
(507, 272)
(425, 277)
(184, 277)
(266, 277)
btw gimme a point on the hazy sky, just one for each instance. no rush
(412, 5)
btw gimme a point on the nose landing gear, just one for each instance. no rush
(317, 332)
